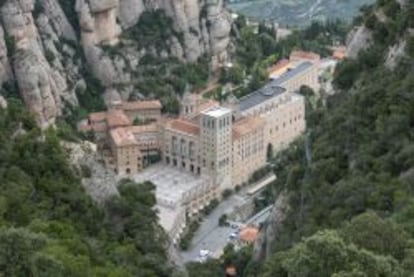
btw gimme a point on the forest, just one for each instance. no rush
(50, 227)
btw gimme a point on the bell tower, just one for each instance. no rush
(189, 103)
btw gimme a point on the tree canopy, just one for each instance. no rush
(50, 227)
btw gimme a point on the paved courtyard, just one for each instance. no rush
(171, 183)
(174, 187)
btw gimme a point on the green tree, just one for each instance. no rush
(17, 247)
(371, 232)
(326, 254)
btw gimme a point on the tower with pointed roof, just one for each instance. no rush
(189, 103)
(233, 104)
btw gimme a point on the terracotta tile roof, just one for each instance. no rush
(303, 55)
(142, 105)
(96, 126)
(339, 52)
(183, 126)
(278, 66)
(231, 271)
(143, 128)
(100, 116)
(249, 234)
(246, 126)
(123, 137)
(99, 128)
(117, 118)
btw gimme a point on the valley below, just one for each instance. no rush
(297, 12)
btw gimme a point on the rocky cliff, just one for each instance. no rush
(272, 228)
(45, 45)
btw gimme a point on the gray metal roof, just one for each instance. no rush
(271, 89)
(261, 95)
(293, 72)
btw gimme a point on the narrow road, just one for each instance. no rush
(210, 236)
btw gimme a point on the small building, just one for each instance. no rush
(124, 147)
(231, 271)
(143, 110)
(248, 235)
(301, 56)
(116, 119)
(339, 53)
(278, 68)
(302, 68)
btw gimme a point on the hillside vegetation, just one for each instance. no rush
(50, 227)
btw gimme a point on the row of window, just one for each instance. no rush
(183, 164)
(182, 147)
(211, 122)
(291, 121)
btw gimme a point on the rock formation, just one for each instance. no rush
(34, 81)
(43, 53)
(204, 28)
(100, 183)
(37, 64)
(3, 102)
(271, 229)
(395, 53)
(358, 39)
(5, 70)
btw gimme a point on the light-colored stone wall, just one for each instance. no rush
(127, 158)
(148, 141)
(285, 122)
(147, 114)
(216, 147)
(249, 154)
(201, 196)
(308, 77)
(181, 150)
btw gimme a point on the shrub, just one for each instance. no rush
(226, 193)
(223, 220)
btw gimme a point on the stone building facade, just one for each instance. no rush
(249, 148)
(181, 145)
(216, 145)
(302, 68)
(124, 147)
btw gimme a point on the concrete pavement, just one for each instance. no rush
(210, 236)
